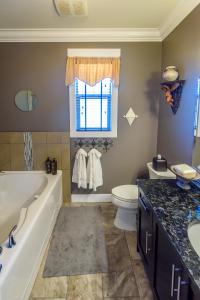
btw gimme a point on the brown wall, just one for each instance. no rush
(182, 49)
(41, 68)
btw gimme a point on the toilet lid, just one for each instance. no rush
(126, 192)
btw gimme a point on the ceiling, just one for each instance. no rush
(107, 20)
(101, 13)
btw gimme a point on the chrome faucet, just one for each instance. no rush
(11, 240)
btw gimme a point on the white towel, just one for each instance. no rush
(79, 171)
(94, 170)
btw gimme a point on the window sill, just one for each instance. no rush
(93, 134)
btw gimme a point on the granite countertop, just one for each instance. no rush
(172, 205)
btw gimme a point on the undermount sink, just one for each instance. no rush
(194, 236)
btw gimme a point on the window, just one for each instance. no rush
(93, 106)
(93, 79)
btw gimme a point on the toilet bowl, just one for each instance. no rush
(125, 197)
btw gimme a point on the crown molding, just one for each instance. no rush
(182, 9)
(81, 35)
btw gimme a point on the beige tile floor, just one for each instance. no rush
(125, 280)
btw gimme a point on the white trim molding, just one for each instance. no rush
(181, 11)
(77, 198)
(80, 35)
(100, 52)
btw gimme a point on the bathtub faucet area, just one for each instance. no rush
(11, 240)
(1, 250)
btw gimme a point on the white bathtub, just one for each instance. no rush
(31, 200)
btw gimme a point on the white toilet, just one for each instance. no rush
(125, 197)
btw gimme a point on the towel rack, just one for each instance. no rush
(102, 143)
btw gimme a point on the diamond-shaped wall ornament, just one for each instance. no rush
(130, 116)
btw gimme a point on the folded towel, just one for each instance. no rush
(185, 171)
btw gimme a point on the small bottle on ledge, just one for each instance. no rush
(48, 165)
(54, 167)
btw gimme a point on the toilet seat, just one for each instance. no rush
(127, 193)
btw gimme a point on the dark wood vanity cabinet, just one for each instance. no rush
(170, 281)
(163, 265)
(145, 235)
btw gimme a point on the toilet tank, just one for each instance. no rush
(153, 174)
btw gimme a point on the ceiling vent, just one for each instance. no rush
(71, 7)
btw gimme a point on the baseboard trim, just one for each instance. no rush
(90, 198)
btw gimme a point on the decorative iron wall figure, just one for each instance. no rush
(101, 143)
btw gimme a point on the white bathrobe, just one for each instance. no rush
(94, 170)
(79, 171)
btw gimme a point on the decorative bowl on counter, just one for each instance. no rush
(183, 181)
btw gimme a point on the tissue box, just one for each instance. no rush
(159, 164)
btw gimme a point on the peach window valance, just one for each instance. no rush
(91, 70)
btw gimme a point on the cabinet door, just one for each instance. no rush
(145, 238)
(171, 282)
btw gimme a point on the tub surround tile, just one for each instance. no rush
(85, 287)
(65, 138)
(66, 184)
(142, 280)
(120, 284)
(5, 137)
(58, 138)
(53, 144)
(39, 137)
(17, 138)
(39, 156)
(65, 157)
(11, 138)
(5, 157)
(17, 157)
(131, 238)
(118, 254)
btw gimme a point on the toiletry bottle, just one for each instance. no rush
(54, 167)
(48, 165)
(198, 213)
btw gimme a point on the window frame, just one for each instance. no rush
(87, 134)
(91, 52)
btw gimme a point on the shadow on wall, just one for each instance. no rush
(153, 92)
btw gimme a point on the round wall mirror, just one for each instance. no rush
(26, 100)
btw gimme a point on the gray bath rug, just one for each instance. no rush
(78, 243)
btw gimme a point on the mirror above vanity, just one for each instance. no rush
(26, 101)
